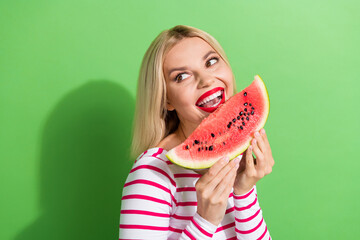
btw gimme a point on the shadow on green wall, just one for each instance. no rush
(84, 163)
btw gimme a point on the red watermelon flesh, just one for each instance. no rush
(227, 131)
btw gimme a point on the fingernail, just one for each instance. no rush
(254, 142)
(225, 160)
(257, 134)
(263, 131)
(237, 160)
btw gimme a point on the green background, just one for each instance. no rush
(68, 75)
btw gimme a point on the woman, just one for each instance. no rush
(181, 68)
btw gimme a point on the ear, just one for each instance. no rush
(169, 107)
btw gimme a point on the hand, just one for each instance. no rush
(213, 189)
(252, 170)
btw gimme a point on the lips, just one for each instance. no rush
(209, 93)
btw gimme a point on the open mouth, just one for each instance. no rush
(211, 100)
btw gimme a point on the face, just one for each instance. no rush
(197, 80)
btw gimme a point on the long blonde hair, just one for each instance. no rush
(152, 121)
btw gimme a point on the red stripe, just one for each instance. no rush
(251, 230)
(187, 204)
(167, 162)
(175, 230)
(182, 217)
(154, 184)
(160, 150)
(262, 235)
(185, 189)
(230, 210)
(243, 196)
(141, 156)
(231, 195)
(201, 229)
(144, 197)
(147, 182)
(181, 175)
(225, 227)
(246, 207)
(155, 169)
(189, 235)
(141, 212)
(249, 218)
(144, 227)
(233, 238)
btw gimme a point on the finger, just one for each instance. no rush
(224, 187)
(222, 173)
(214, 169)
(259, 155)
(260, 142)
(243, 161)
(249, 159)
(265, 138)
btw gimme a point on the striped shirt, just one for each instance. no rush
(159, 202)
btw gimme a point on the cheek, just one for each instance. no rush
(227, 77)
(180, 98)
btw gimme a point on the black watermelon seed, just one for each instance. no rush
(247, 118)
(238, 117)
(245, 93)
(234, 120)
(245, 109)
(206, 148)
(248, 114)
(229, 125)
(250, 104)
(241, 113)
(252, 112)
(187, 147)
(252, 108)
(193, 144)
(241, 127)
(224, 143)
(202, 148)
(245, 104)
(196, 142)
(213, 135)
(243, 123)
(211, 148)
(242, 118)
(199, 149)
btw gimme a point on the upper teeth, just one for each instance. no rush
(211, 97)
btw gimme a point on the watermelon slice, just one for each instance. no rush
(227, 131)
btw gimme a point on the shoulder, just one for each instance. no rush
(153, 165)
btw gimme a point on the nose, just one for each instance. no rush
(205, 80)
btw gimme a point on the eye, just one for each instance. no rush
(215, 59)
(178, 77)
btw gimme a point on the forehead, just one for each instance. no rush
(188, 49)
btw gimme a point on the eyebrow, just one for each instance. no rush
(184, 68)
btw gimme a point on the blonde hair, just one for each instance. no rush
(152, 121)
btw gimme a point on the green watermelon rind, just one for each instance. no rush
(171, 155)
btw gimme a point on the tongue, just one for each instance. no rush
(211, 103)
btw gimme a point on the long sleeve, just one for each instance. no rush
(147, 204)
(249, 221)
